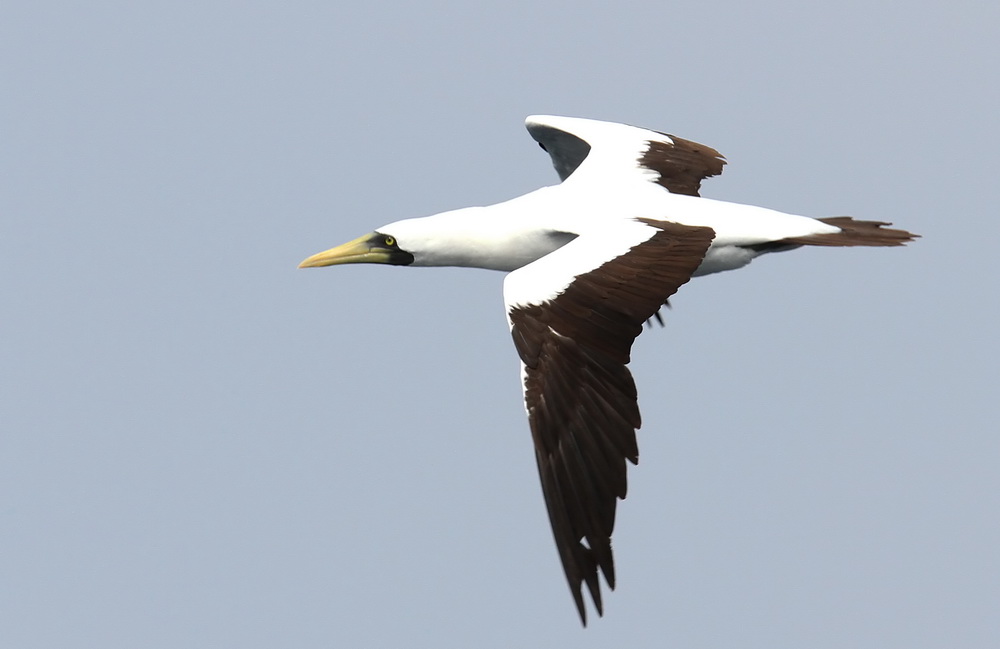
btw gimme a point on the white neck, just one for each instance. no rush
(498, 237)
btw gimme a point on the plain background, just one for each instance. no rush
(203, 446)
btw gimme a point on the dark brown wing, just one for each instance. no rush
(682, 165)
(580, 397)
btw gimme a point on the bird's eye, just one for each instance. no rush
(389, 241)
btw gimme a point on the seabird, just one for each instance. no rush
(589, 261)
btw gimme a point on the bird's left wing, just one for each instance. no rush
(598, 152)
(574, 315)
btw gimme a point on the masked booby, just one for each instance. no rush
(589, 261)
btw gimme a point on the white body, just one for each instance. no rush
(509, 235)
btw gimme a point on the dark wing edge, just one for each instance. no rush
(682, 164)
(566, 150)
(581, 398)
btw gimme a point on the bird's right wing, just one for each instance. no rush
(573, 316)
(607, 152)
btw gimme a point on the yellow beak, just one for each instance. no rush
(363, 250)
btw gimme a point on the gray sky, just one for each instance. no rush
(204, 447)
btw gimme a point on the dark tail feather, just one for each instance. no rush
(855, 233)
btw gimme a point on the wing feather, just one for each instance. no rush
(580, 397)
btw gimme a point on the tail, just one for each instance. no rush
(854, 233)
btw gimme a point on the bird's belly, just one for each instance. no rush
(722, 258)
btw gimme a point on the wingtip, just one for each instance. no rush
(581, 609)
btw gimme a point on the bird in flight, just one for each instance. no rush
(589, 261)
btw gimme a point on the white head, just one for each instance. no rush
(456, 238)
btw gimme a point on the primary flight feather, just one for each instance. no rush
(590, 260)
